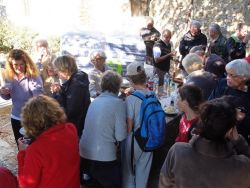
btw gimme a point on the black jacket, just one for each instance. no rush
(220, 47)
(75, 99)
(146, 34)
(188, 41)
(240, 99)
(235, 48)
(202, 79)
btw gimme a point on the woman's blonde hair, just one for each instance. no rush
(31, 70)
(39, 114)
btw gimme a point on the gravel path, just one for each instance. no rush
(8, 148)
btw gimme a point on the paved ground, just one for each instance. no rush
(9, 150)
(7, 144)
(160, 155)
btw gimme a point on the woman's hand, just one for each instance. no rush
(232, 134)
(22, 145)
(55, 87)
(128, 91)
(5, 91)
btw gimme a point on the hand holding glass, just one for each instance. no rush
(55, 87)
(5, 90)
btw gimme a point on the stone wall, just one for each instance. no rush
(176, 14)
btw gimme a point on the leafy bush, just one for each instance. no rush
(6, 35)
(54, 44)
(21, 37)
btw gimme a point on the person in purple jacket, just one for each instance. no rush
(22, 81)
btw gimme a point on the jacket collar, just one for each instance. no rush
(210, 148)
(106, 93)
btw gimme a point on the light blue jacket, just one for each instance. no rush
(105, 125)
(21, 91)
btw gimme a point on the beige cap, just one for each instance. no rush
(135, 68)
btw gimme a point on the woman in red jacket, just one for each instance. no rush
(52, 158)
(7, 179)
(188, 101)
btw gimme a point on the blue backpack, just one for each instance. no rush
(151, 133)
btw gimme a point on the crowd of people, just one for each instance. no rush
(69, 140)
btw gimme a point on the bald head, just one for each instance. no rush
(149, 22)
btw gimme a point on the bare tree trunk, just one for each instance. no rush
(26, 5)
(139, 7)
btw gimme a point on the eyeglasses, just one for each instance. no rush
(99, 59)
(233, 75)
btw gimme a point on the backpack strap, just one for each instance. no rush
(141, 96)
(132, 153)
(138, 95)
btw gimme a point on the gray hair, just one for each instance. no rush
(196, 24)
(199, 50)
(240, 66)
(66, 63)
(111, 82)
(215, 28)
(192, 62)
(96, 53)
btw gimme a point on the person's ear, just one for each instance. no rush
(185, 103)
(229, 133)
(232, 134)
(245, 78)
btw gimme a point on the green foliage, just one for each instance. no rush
(21, 37)
(5, 36)
(54, 44)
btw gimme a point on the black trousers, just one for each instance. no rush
(104, 174)
(16, 126)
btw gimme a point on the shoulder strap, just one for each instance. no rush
(132, 153)
(138, 95)
(141, 96)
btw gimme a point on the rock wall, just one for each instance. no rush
(176, 14)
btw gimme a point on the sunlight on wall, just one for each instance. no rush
(105, 14)
(57, 16)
